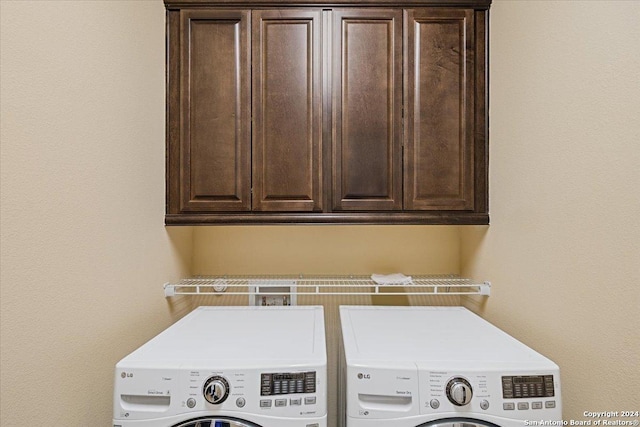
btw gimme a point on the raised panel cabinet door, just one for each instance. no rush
(367, 109)
(214, 150)
(287, 110)
(439, 109)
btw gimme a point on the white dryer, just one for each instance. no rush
(440, 366)
(228, 367)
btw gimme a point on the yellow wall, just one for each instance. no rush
(326, 250)
(84, 252)
(562, 248)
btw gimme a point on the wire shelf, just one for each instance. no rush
(326, 285)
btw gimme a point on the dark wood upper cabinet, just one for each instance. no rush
(287, 110)
(367, 109)
(343, 112)
(439, 113)
(215, 115)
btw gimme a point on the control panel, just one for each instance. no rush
(515, 395)
(527, 386)
(273, 384)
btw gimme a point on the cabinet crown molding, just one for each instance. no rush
(473, 4)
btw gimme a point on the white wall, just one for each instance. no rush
(84, 250)
(562, 250)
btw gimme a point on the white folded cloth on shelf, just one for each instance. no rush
(391, 279)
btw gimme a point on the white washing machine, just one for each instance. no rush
(440, 366)
(228, 367)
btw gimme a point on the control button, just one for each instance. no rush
(310, 400)
(484, 404)
(191, 402)
(550, 404)
(265, 403)
(240, 402)
(510, 406)
(523, 406)
(281, 402)
(295, 402)
(435, 403)
(536, 405)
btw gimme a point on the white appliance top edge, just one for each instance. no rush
(244, 335)
(441, 336)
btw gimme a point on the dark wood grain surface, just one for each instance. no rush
(282, 112)
(354, 218)
(367, 109)
(439, 126)
(473, 4)
(215, 144)
(287, 110)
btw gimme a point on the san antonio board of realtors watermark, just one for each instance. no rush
(594, 419)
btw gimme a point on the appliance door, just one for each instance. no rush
(216, 422)
(458, 422)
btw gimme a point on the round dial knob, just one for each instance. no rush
(459, 391)
(216, 389)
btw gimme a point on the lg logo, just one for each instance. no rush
(362, 376)
(126, 375)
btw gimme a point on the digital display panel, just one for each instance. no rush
(528, 380)
(527, 386)
(288, 377)
(273, 384)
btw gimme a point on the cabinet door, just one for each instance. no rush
(214, 158)
(367, 109)
(439, 113)
(287, 110)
